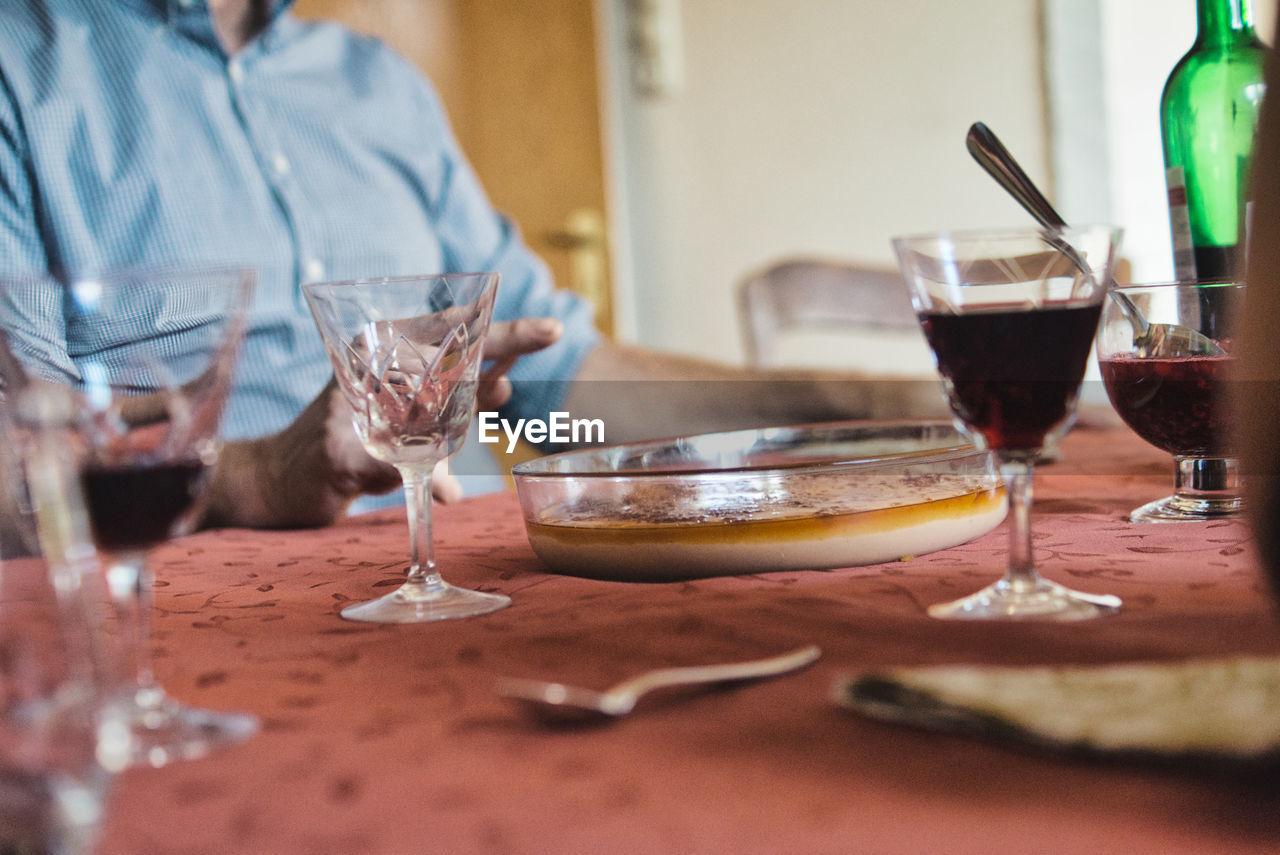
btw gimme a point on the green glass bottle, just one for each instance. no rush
(1208, 115)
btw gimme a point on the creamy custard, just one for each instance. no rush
(796, 536)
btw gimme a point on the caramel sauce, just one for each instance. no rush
(815, 527)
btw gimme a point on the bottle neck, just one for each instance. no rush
(1225, 21)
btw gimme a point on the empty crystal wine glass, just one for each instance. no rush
(406, 353)
(144, 377)
(1011, 316)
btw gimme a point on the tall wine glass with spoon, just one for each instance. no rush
(136, 398)
(406, 353)
(1011, 316)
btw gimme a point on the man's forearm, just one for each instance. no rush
(641, 394)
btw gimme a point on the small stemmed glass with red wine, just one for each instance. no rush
(1176, 401)
(1011, 316)
(137, 399)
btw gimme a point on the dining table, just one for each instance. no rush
(391, 739)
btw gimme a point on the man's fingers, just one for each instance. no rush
(496, 370)
(507, 342)
(493, 392)
(445, 487)
(510, 339)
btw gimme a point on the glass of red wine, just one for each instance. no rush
(406, 354)
(1177, 401)
(145, 375)
(1011, 316)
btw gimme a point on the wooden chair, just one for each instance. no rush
(820, 295)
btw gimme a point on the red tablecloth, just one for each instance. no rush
(389, 739)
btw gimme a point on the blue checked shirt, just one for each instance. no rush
(128, 136)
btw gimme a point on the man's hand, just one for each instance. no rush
(506, 343)
(309, 473)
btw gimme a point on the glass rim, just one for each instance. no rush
(1003, 232)
(550, 467)
(1177, 283)
(403, 279)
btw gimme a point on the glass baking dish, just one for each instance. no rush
(818, 496)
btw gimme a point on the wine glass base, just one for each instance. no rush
(1181, 509)
(51, 811)
(163, 731)
(423, 603)
(1039, 600)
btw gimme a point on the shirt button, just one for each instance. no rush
(313, 270)
(280, 164)
(235, 71)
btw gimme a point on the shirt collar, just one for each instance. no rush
(171, 8)
(192, 16)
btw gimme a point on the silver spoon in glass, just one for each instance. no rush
(559, 702)
(1150, 340)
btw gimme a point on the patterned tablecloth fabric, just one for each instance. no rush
(388, 740)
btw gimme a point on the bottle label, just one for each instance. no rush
(1184, 252)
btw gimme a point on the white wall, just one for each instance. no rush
(1136, 69)
(818, 126)
(828, 126)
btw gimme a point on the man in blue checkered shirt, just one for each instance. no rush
(151, 131)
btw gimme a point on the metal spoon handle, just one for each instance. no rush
(718, 673)
(991, 154)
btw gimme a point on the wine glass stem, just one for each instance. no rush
(1017, 485)
(129, 584)
(1207, 477)
(417, 500)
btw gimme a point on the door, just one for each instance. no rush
(520, 83)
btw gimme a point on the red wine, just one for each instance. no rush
(1012, 374)
(136, 506)
(1175, 404)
